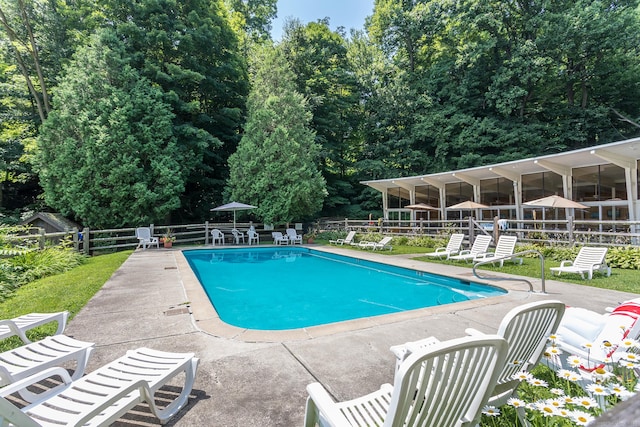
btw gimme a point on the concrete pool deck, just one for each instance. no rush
(257, 378)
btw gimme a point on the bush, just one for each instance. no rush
(628, 258)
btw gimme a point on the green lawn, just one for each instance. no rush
(66, 291)
(620, 280)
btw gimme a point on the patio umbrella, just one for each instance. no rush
(234, 206)
(421, 207)
(469, 204)
(555, 202)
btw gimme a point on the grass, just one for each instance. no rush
(66, 291)
(621, 279)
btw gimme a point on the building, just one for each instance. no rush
(604, 178)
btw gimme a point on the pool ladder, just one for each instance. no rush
(492, 260)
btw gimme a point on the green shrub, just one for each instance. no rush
(627, 257)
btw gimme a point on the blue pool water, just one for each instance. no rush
(277, 289)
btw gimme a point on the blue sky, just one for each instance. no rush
(345, 13)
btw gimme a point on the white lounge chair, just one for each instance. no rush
(588, 260)
(480, 246)
(20, 325)
(382, 244)
(237, 236)
(49, 352)
(253, 237)
(293, 236)
(580, 326)
(279, 238)
(526, 329)
(452, 248)
(348, 240)
(145, 239)
(443, 385)
(217, 236)
(104, 395)
(504, 249)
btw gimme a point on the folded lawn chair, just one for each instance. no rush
(104, 395)
(587, 261)
(145, 239)
(443, 385)
(504, 249)
(19, 325)
(480, 246)
(348, 240)
(452, 248)
(52, 351)
(525, 328)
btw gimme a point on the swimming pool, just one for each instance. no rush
(280, 289)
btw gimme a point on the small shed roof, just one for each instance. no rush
(53, 219)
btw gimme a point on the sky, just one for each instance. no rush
(342, 13)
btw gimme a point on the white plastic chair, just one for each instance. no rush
(217, 236)
(293, 236)
(588, 260)
(526, 329)
(21, 362)
(505, 247)
(104, 395)
(452, 248)
(253, 237)
(480, 246)
(443, 385)
(348, 240)
(237, 236)
(279, 238)
(20, 325)
(145, 239)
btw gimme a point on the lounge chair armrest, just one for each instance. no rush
(138, 385)
(440, 250)
(37, 377)
(324, 404)
(485, 255)
(15, 330)
(566, 263)
(464, 252)
(473, 332)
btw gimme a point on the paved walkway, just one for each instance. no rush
(248, 378)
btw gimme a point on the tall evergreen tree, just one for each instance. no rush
(108, 156)
(275, 166)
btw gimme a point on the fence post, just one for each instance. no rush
(570, 228)
(206, 233)
(346, 224)
(74, 237)
(41, 237)
(496, 229)
(85, 240)
(472, 231)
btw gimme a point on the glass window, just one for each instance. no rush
(542, 184)
(458, 192)
(397, 198)
(496, 192)
(601, 182)
(428, 194)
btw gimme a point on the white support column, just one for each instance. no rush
(630, 166)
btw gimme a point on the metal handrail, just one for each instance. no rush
(492, 260)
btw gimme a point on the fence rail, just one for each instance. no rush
(565, 232)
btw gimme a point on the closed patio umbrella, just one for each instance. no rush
(234, 206)
(421, 207)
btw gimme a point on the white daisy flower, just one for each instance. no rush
(601, 374)
(564, 373)
(556, 403)
(516, 403)
(553, 351)
(537, 382)
(620, 391)
(491, 411)
(588, 345)
(546, 409)
(522, 376)
(581, 418)
(586, 402)
(598, 390)
(575, 361)
(557, 391)
(630, 357)
(629, 343)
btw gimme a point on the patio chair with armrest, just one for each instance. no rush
(480, 245)
(145, 239)
(588, 260)
(452, 248)
(504, 251)
(21, 324)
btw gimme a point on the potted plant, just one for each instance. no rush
(168, 238)
(310, 236)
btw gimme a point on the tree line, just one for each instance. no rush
(125, 112)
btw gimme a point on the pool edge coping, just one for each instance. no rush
(207, 320)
